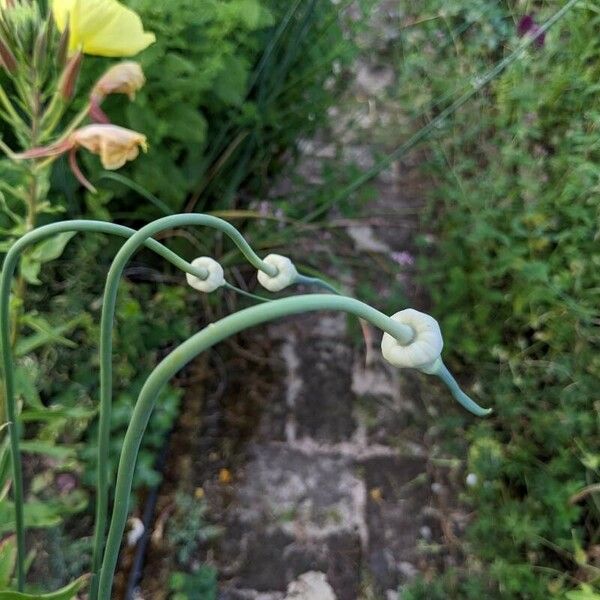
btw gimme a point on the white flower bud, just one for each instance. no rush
(423, 352)
(471, 480)
(215, 277)
(286, 273)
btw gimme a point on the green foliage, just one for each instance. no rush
(8, 561)
(68, 375)
(231, 87)
(69, 592)
(514, 279)
(201, 585)
(187, 527)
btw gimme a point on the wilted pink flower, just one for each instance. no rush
(124, 78)
(113, 144)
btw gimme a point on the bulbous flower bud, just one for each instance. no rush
(423, 351)
(115, 145)
(286, 273)
(213, 281)
(124, 78)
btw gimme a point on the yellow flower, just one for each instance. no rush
(115, 145)
(101, 27)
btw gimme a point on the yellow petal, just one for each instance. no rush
(60, 11)
(102, 27)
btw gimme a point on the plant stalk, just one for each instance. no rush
(182, 355)
(106, 327)
(6, 347)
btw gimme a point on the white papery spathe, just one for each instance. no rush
(423, 351)
(213, 281)
(286, 273)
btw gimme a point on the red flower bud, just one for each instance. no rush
(69, 76)
(7, 58)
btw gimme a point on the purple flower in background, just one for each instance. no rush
(404, 259)
(528, 26)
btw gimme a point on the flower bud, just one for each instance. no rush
(69, 76)
(424, 350)
(213, 281)
(286, 273)
(7, 58)
(63, 46)
(40, 49)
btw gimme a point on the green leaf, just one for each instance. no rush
(67, 593)
(8, 560)
(43, 252)
(48, 449)
(46, 334)
(55, 413)
(187, 124)
(585, 592)
(26, 376)
(230, 86)
(5, 470)
(40, 514)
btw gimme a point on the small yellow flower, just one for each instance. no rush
(225, 477)
(101, 27)
(115, 145)
(376, 494)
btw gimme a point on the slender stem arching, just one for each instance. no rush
(10, 263)
(106, 326)
(458, 394)
(182, 355)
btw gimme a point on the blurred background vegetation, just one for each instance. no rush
(513, 274)
(512, 271)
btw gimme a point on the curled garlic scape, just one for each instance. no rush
(214, 275)
(286, 273)
(424, 352)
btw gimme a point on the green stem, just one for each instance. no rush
(8, 270)
(458, 394)
(182, 355)
(106, 326)
(17, 121)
